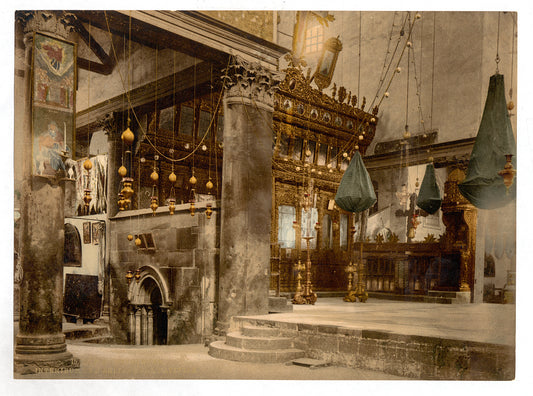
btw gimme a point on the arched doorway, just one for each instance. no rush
(148, 311)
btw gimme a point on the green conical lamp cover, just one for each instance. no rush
(482, 186)
(429, 196)
(355, 192)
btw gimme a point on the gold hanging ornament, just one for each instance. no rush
(208, 211)
(153, 204)
(130, 237)
(127, 136)
(193, 180)
(122, 171)
(171, 205)
(87, 165)
(137, 275)
(172, 177)
(508, 173)
(138, 241)
(129, 276)
(209, 185)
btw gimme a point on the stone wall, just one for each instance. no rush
(183, 263)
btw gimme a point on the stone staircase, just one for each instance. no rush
(254, 344)
(87, 333)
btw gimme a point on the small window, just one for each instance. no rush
(204, 125)
(283, 145)
(314, 38)
(72, 247)
(344, 231)
(186, 120)
(333, 157)
(166, 119)
(297, 149)
(286, 233)
(322, 154)
(147, 241)
(311, 147)
(327, 235)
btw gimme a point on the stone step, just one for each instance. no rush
(221, 350)
(249, 330)
(239, 340)
(75, 332)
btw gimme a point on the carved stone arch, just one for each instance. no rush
(137, 293)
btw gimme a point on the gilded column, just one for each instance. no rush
(246, 191)
(40, 342)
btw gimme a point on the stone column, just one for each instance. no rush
(150, 325)
(246, 192)
(138, 326)
(132, 325)
(40, 342)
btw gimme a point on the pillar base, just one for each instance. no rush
(43, 354)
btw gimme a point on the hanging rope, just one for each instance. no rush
(433, 71)
(498, 46)
(359, 68)
(142, 130)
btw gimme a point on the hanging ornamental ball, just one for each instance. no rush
(138, 241)
(154, 176)
(122, 171)
(171, 151)
(417, 183)
(406, 134)
(209, 185)
(127, 136)
(143, 160)
(319, 172)
(312, 170)
(308, 153)
(361, 137)
(398, 69)
(424, 135)
(510, 105)
(130, 237)
(372, 119)
(329, 166)
(298, 168)
(387, 94)
(409, 44)
(357, 147)
(172, 177)
(193, 180)
(430, 159)
(186, 146)
(418, 16)
(421, 121)
(204, 147)
(344, 154)
(87, 165)
(348, 158)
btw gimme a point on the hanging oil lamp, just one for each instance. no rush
(127, 136)
(129, 276)
(87, 165)
(208, 211)
(127, 190)
(192, 208)
(153, 204)
(121, 201)
(130, 237)
(137, 275)
(172, 200)
(508, 173)
(138, 241)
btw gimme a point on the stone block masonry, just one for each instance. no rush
(417, 357)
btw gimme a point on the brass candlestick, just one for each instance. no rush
(360, 288)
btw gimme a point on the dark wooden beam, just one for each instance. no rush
(107, 62)
(444, 154)
(143, 98)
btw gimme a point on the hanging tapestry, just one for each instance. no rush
(482, 186)
(53, 99)
(356, 192)
(429, 196)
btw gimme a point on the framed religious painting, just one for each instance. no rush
(53, 103)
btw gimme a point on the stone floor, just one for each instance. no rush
(475, 322)
(491, 323)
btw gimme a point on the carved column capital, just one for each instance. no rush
(58, 23)
(250, 82)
